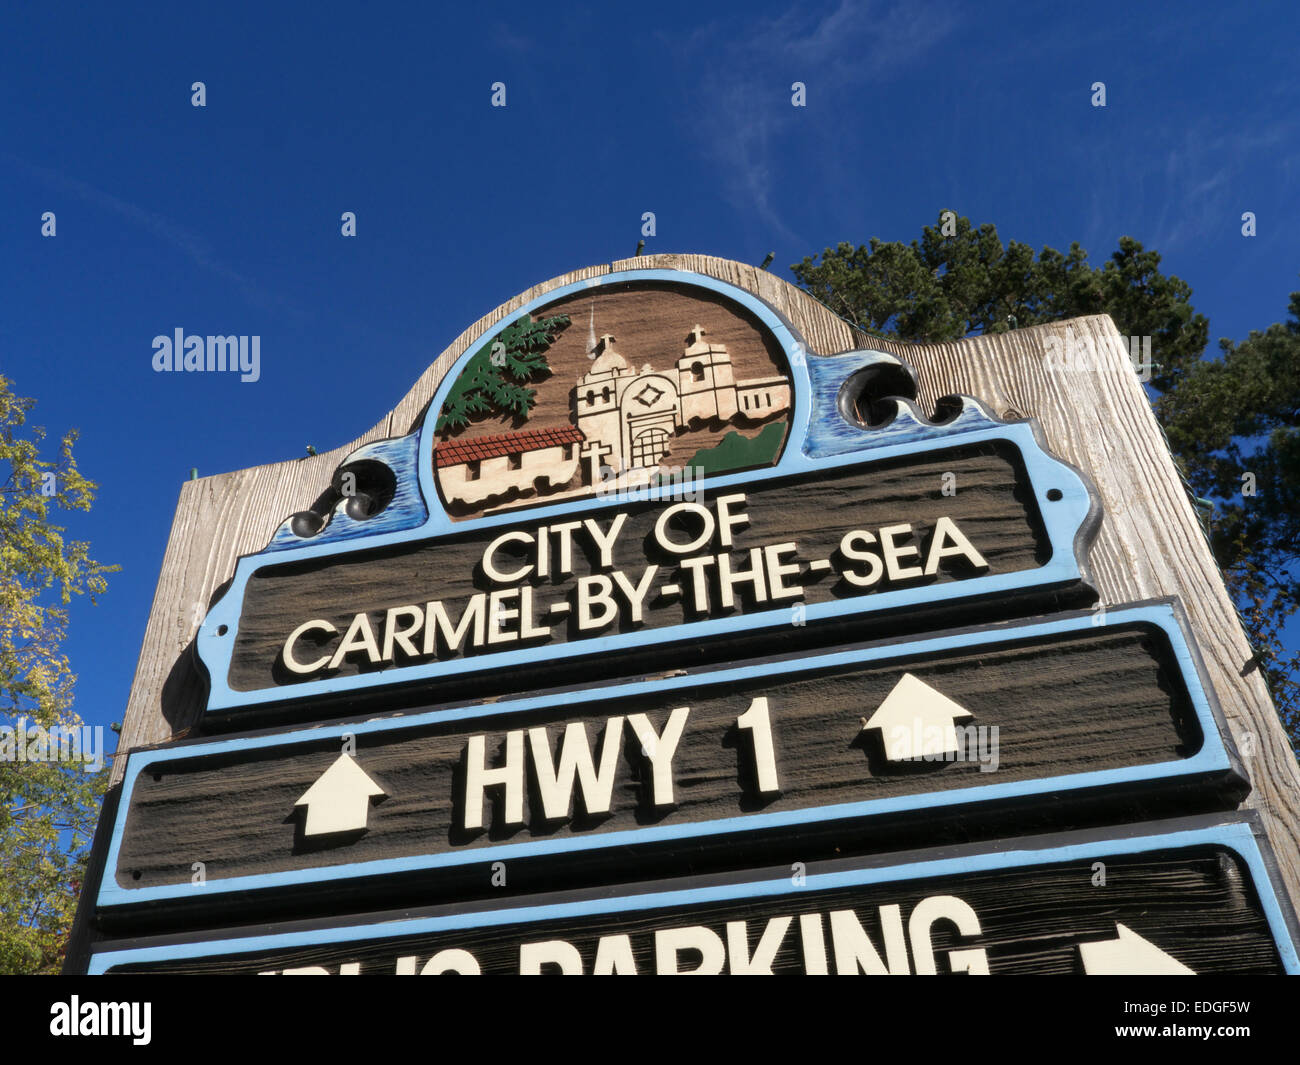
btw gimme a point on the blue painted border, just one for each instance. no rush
(819, 440)
(1236, 836)
(1212, 757)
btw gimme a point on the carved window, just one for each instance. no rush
(649, 396)
(649, 447)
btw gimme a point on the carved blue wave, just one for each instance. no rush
(829, 433)
(406, 511)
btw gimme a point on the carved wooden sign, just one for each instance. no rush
(1178, 898)
(652, 613)
(646, 461)
(1037, 720)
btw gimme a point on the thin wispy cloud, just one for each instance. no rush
(190, 244)
(1203, 171)
(741, 71)
(1187, 183)
(504, 37)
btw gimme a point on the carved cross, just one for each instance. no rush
(593, 451)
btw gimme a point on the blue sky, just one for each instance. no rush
(225, 219)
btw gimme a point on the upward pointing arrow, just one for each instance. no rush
(916, 721)
(339, 801)
(1129, 954)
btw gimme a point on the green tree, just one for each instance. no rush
(1225, 417)
(49, 809)
(494, 378)
(967, 283)
(1234, 422)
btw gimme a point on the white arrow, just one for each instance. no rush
(339, 801)
(1129, 955)
(915, 721)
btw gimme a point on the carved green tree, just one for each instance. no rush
(495, 379)
(735, 451)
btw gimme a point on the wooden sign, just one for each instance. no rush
(732, 487)
(662, 586)
(1038, 719)
(1192, 897)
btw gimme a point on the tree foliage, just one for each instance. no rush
(1234, 422)
(967, 283)
(494, 378)
(49, 808)
(1225, 417)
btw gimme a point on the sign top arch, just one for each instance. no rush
(550, 437)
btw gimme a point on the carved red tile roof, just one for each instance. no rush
(454, 452)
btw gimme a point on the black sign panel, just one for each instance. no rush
(1177, 898)
(777, 555)
(1031, 718)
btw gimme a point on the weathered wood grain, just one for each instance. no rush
(1150, 543)
(1196, 905)
(1100, 699)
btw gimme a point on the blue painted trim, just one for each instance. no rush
(406, 510)
(831, 434)
(1236, 836)
(817, 441)
(1212, 757)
